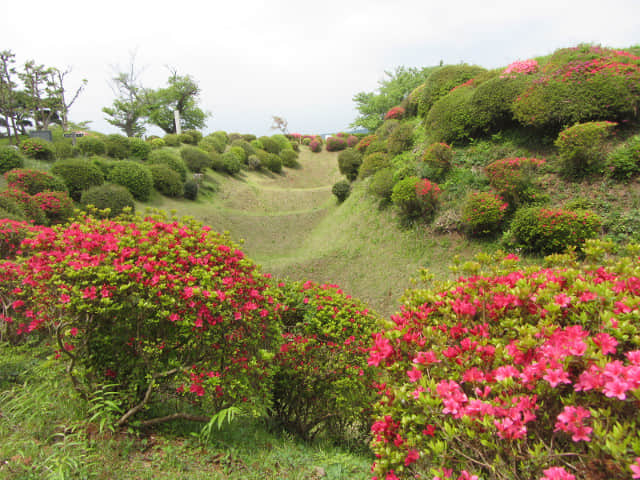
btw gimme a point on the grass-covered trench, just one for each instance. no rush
(293, 226)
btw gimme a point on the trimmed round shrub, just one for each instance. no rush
(336, 144)
(395, 113)
(245, 145)
(166, 180)
(427, 193)
(400, 139)
(10, 158)
(11, 206)
(315, 146)
(239, 153)
(134, 176)
(384, 130)
(186, 139)
(581, 84)
(512, 372)
(382, 183)
(34, 181)
(114, 197)
(289, 158)
(352, 141)
(230, 162)
(78, 174)
(364, 142)
(442, 81)
(171, 159)
(582, 148)
(492, 100)
(89, 145)
(212, 144)
(31, 209)
(13, 230)
(282, 141)
(403, 195)
(438, 158)
(377, 146)
(254, 162)
(483, 213)
(191, 189)
(411, 101)
(64, 149)
(372, 162)
(624, 162)
(545, 231)
(349, 162)
(323, 383)
(450, 119)
(194, 342)
(156, 143)
(195, 135)
(512, 177)
(195, 159)
(272, 162)
(117, 146)
(171, 140)
(341, 189)
(103, 163)
(222, 135)
(269, 144)
(415, 197)
(38, 149)
(57, 206)
(139, 149)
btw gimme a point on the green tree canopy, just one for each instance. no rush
(182, 95)
(394, 87)
(129, 108)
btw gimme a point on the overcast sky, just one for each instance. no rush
(300, 60)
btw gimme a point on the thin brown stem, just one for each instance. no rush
(147, 395)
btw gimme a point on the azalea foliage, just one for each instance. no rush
(162, 310)
(513, 373)
(323, 381)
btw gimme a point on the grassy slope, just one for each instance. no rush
(45, 435)
(292, 225)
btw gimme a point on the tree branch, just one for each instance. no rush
(147, 395)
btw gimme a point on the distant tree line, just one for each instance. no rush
(33, 96)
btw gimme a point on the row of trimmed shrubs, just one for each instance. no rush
(573, 85)
(399, 178)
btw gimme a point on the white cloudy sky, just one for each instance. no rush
(297, 59)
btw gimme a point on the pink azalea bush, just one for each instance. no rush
(395, 113)
(513, 373)
(365, 142)
(511, 177)
(315, 146)
(57, 206)
(524, 67)
(552, 230)
(167, 311)
(335, 144)
(483, 213)
(33, 181)
(581, 84)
